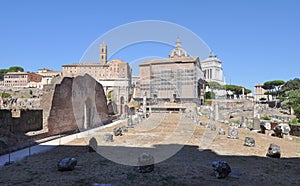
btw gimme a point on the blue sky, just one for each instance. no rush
(256, 40)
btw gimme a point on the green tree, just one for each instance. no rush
(15, 69)
(5, 95)
(294, 101)
(272, 87)
(11, 69)
(238, 90)
(210, 95)
(214, 85)
(288, 86)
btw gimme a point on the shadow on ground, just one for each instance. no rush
(189, 166)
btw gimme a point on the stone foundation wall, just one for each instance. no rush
(25, 121)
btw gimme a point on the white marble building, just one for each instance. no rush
(213, 72)
(212, 68)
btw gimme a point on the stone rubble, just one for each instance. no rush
(67, 164)
(221, 169)
(118, 131)
(108, 137)
(145, 163)
(249, 141)
(221, 131)
(274, 151)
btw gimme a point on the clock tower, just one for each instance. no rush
(103, 54)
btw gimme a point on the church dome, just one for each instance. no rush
(178, 51)
(212, 57)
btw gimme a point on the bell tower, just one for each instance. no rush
(103, 54)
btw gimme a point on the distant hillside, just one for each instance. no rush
(10, 69)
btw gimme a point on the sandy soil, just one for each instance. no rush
(191, 165)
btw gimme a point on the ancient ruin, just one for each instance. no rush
(74, 103)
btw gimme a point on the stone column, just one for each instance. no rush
(254, 111)
(243, 94)
(216, 114)
(144, 103)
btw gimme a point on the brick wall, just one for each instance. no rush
(66, 109)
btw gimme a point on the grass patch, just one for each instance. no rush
(265, 117)
(296, 138)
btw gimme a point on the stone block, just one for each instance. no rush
(118, 131)
(249, 141)
(108, 137)
(274, 151)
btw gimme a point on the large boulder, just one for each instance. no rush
(221, 169)
(274, 151)
(67, 164)
(145, 163)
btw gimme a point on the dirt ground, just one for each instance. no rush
(191, 165)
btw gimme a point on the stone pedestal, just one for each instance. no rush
(256, 124)
(233, 131)
(216, 112)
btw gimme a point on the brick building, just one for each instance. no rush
(114, 75)
(20, 79)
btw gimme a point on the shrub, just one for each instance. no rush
(295, 121)
(5, 95)
(210, 95)
(265, 117)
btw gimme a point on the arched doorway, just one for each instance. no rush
(112, 103)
